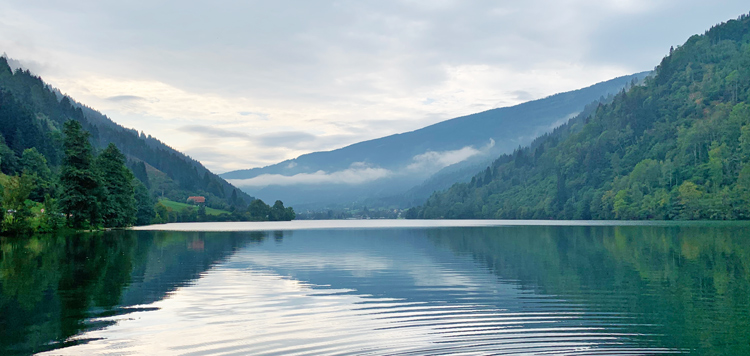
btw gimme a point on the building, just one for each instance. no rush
(196, 200)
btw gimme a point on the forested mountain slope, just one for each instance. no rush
(677, 147)
(32, 114)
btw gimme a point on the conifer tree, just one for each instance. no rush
(118, 205)
(80, 184)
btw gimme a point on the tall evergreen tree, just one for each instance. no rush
(80, 184)
(118, 205)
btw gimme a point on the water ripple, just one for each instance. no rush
(231, 312)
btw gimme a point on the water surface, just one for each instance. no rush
(401, 290)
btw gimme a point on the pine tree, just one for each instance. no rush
(118, 204)
(80, 184)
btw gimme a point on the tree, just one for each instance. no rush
(8, 159)
(34, 164)
(279, 213)
(144, 205)
(289, 214)
(80, 184)
(161, 214)
(235, 200)
(259, 211)
(2, 208)
(201, 214)
(118, 205)
(51, 219)
(690, 197)
(15, 201)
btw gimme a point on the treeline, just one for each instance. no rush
(677, 147)
(339, 213)
(256, 211)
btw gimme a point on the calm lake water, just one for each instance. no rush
(381, 288)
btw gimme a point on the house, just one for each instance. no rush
(196, 200)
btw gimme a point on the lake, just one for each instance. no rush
(381, 288)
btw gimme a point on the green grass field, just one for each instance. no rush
(179, 206)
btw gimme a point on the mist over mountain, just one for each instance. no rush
(380, 171)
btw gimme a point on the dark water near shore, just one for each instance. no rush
(513, 290)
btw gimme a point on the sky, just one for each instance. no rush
(243, 84)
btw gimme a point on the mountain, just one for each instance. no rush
(379, 169)
(33, 113)
(676, 147)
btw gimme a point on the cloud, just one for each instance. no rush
(120, 98)
(523, 95)
(433, 161)
(291, 140)
(211, 132)
(357, 173)
(285, 139)
(361, 172)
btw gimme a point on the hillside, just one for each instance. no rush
(389, 166)
(33, 114)
(677, 147)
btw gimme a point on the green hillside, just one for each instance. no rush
(182, 206)
(676, 147)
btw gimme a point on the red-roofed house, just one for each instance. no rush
(196, 200)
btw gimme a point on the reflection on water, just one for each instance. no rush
(530, 290)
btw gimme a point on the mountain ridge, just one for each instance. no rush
(391, 165)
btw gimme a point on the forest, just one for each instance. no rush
(63, 165)
(676, 147)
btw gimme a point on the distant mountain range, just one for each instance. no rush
(404, 169)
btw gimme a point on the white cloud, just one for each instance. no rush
(432, 161)
(360, 172)
(357, 173)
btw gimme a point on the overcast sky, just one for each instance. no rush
(242, 84)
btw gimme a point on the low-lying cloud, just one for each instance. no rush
(433, 160)
(212, 132)
(360, 172)
(357, 173)
(124, 98)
